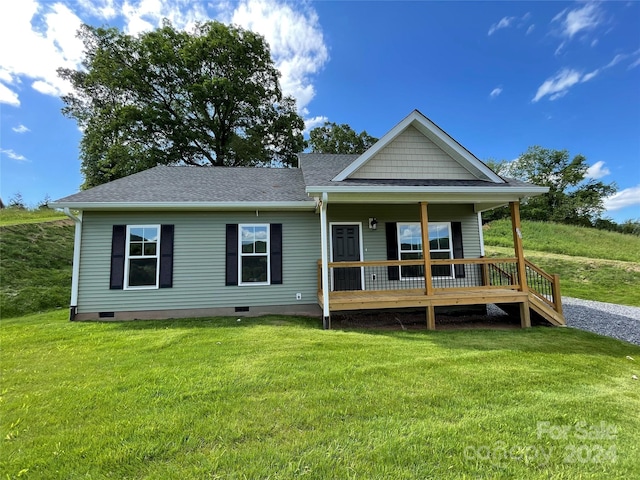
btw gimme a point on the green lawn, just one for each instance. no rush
(278, 397)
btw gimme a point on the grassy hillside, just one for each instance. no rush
(35, 266)
(279, 398)
(16, 216)
(566, 240)
(592, 264)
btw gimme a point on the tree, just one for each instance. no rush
(17, 202)
(334, 138)
(572, 198)
(211, 97)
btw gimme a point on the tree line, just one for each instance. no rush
(212, 97)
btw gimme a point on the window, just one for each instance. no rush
(142, 256)
(440, 248)
(253, 264)
(410, 243)
(411, 248)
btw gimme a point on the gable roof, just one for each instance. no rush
(435, 134)
(191, 186)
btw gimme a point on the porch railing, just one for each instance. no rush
(471, 273)
(544, 286)
(446, 275)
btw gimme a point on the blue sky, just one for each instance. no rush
(497, 76)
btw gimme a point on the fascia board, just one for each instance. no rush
(149, 206)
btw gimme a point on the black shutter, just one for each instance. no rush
(231, 266)
(166, 256)
(118, 242)
(458, 252)
(392, 249)
(276, 253)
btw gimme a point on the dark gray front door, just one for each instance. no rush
(346, 248)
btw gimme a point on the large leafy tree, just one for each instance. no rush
(334, 138)
(572, 197)
(207, 97)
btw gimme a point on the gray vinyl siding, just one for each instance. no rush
(374, 241)
(198, 262)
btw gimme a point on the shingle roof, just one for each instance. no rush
(320, 168)
(200, 184)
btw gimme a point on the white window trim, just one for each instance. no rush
(361, 245)
(400, 251)
(137, 257)
(241, 255)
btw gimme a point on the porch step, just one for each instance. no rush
(539, 310)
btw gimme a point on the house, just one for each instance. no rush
(341, 232)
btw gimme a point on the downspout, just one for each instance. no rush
(75, 276)
(326, 319)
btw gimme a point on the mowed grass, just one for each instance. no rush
(278, 398)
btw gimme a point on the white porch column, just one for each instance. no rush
(324, 245)
(75, 276)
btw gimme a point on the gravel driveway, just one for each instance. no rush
(617, 321)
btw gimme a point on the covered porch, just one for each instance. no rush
(512, 283)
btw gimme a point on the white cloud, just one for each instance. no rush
(597, 170)
(589, 76)
(311, 123)
(586, 17)
(20, 129)
(8, 96)
(628, 197)
(503, 23)
(13, 155)
(296, 41)
(506, 22)
(45, 34)
(559, 85)
(531, 28)
(495, 92)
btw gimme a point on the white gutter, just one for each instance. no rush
(75, 276)
(326, 321)
(146, 206)
(481, 234)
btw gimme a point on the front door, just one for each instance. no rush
(346, 248)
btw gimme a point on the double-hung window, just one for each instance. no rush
(411, 248)
(254, 258)
(142, 256)
(440, 247)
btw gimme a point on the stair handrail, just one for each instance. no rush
(551, 286)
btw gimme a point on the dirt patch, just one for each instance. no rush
(416, 320)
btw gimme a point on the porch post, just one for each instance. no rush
(326, 315)
(517, 244)
(424, 224)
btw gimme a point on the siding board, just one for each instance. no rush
(413, 156)
(199, 256)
